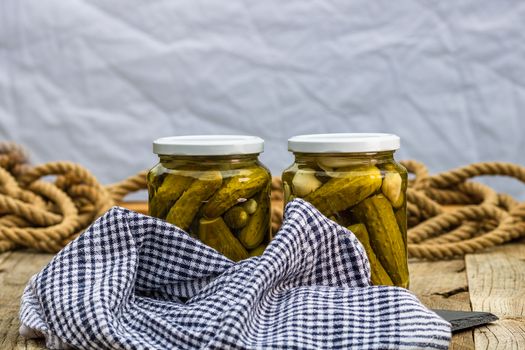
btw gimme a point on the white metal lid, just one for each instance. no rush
(344, 143)
(208, 145)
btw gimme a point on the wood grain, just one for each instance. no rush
(497, 284)
(493, 281)
(443, 285)
(506, 334)
(438, 284)
(16, 268)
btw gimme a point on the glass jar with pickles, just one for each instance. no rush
(214, 188)
(354, 180)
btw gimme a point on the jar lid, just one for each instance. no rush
(344, 143)
(208, 145)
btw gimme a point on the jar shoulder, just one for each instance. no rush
(199, 170)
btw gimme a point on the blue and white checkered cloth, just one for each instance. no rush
(136, 282)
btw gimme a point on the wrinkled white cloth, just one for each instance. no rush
(110, 76)
(136, 282)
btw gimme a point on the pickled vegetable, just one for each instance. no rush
(401, 218)
(392, 187)
(329, 163)
(287, 192)
(340, 193)
(385, 236)
(154, 180)
(357, 183)
(216, 234)
(167, 194)
(250, 206)
(242, 186)
(378, 274)
(305, 182)
(186, 207)
(258, 227)
(213, 198)
(236, 217)
(258, 251)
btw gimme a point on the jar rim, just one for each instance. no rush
(208, 145)
(344, 143)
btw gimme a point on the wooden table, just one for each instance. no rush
(490, 281)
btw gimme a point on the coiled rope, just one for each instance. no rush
(45, 214)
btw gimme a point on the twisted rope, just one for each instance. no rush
(488, 219)
(47, 215)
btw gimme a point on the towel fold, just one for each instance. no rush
(135, 282)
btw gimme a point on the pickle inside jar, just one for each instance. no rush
(217, 206)
(371, 195)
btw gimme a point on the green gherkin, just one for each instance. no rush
(244, 185)
(236, 217)
(258, 226)
(215, 233)
(250, 206)
(258, 251)
(378, 275)
(167, 194)
(401, 218)
(385, 237)
(340, 193)
(184, 210)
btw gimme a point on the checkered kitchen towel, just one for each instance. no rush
(136, 282)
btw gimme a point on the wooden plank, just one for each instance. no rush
(497, 285)
(443, 285)
(506, 334)
(4, 256)
(437, 284)
(16, 268)
(496, 282)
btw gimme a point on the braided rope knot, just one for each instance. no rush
(46, 215)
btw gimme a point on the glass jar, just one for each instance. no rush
(354, 180)
(214, 188)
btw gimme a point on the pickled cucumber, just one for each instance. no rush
(215, 233)
(167, 194)
(378, 274)
(258, 226)
(180, 188)
(184, 210)
(154, 180)
(385, 236)
(340, 193)
(401, 218)
(250, 206)
(236, 217)
(244, 185)
(330, 163)
(258, 251)
(287, 193)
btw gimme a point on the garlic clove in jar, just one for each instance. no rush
(305, 182)
(392, 188)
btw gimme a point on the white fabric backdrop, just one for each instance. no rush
(96, 81)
